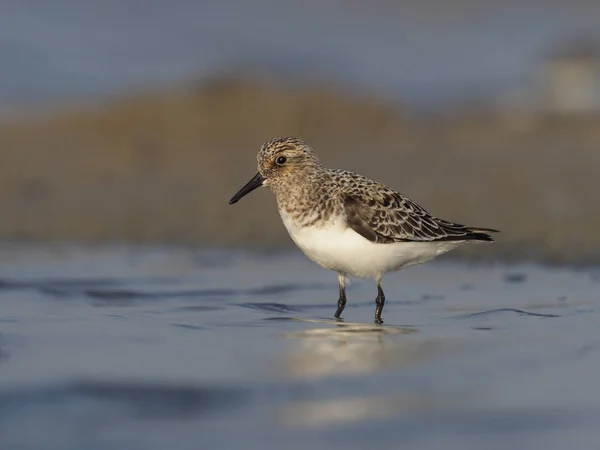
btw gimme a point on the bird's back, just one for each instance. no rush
(383, 215)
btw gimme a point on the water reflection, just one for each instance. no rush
(356, 349)
(339, 411)
(352, 348)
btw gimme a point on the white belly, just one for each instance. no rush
(340, 248)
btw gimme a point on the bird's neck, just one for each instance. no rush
(304, 197)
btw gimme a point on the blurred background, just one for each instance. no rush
(139, 310)
(135, 121)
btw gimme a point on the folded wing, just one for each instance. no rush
(386, 216)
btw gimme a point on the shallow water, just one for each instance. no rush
(114, 347)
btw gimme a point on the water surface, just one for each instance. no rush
(115, 347)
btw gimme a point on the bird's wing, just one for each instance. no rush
(382, 215)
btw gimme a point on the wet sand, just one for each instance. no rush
(151, 347)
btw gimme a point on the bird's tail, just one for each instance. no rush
(481, 234)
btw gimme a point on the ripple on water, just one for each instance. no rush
(60, 284)
(270, 307)
(495, 312)
(285, 288)
(515, 277)
(111, 292)
(187, 326)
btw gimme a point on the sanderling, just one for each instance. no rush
(349, 223)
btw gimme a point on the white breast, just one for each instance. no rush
(337, 247)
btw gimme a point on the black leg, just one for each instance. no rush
(379, 301)
(342, 299)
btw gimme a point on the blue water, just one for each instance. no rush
(148, 348)
(425, 55)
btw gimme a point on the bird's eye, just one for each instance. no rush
(281, 160)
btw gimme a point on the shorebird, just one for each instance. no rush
(348, 223)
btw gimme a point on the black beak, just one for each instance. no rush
(255, 182)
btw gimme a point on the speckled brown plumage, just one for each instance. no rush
(313, 194)
(348, 223)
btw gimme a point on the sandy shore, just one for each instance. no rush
(161, 167)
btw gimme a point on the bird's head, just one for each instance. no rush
(279, 160)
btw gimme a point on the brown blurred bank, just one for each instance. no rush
(161, 167)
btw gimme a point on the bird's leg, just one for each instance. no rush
(342, 299)
(379, 301)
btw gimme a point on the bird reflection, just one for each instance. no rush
(351, 348)
(355, 349)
